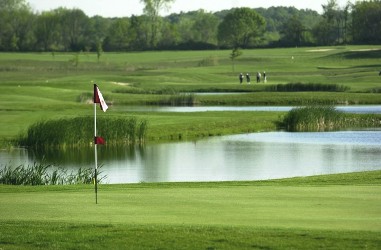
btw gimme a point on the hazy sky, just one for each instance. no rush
(121, 8)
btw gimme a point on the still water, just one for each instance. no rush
(358, 109)
(255, 156)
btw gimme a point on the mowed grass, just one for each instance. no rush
(334, 212)
(40, 86)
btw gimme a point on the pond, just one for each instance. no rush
(360, 109)
(256, 156)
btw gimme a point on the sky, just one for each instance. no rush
(126, 8)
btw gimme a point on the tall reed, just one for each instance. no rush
(325, 118)
(46, 174)
(312, 118)
(298, 87)
(177, 100)
(79, 131)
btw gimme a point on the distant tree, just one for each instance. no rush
(366, 23)
(98, 30)
(205, 27)
(169, 35)
(16, 25)
(47, 31)
(118, 39)
(236, 52)
(99, 50)
(138, 32)
(335, 20)
(75, 28)
(240, 28)
(152, 9)
(293, 31)
(9, 5)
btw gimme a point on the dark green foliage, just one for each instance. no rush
(295, 87)
(40, 174)
(79, 131)
(241, 28)
(325, 118)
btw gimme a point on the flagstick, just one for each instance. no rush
(95, 153)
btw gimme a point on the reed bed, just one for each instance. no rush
(79, 131)
(326, 118)
(177, 100)
(299, 87)
(46, 174)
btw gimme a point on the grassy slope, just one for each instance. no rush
(339, 211)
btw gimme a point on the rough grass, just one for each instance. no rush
(330, 212)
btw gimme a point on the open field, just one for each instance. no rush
(334, 212)
(40, 86)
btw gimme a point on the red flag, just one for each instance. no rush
(99, 140)
(98, 98)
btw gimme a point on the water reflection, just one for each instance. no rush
(357, 109)
(239, 157)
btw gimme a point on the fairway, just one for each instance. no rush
(328, 212)
(301, 206)
(41, 86)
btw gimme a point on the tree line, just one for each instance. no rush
(62, 29)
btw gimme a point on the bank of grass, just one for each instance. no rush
(193, 125)
(323, 212)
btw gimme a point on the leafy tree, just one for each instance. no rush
(16, 25)
(47, 31)
(138, 32)
(10, 5)
(75, 28)
(118, 39)
(335, 21)
(152, 10)
(205, 27)
(98, 31)
(170, 35)
(293, 31)
(240, 27)
(366, 23)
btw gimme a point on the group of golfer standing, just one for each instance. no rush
(259, 76)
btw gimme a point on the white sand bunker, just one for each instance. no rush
(121, 83)
(319, 50)
(360, 50)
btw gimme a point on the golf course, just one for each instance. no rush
(339, 211)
